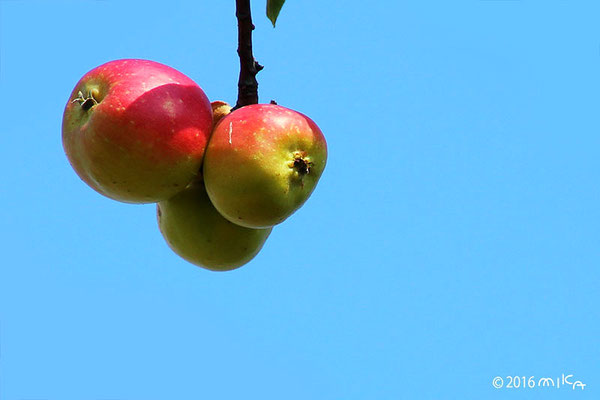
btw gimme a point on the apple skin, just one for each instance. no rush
(262, 163)
(145, 139)
(196, 231)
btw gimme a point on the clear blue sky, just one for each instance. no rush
(454, 236)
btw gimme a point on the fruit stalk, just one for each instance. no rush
(249, 67)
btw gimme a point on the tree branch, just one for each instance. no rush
(247, 84)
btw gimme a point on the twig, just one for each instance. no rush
(247, 84)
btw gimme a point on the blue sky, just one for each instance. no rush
(453, 238)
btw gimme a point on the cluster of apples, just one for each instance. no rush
(138, 131)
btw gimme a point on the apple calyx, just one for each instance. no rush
(301, 163)
(86, 103)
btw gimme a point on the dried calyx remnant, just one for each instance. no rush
(85, 102)
(301, 164)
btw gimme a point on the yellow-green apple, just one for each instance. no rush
(136, 130)
(262, 163)
(196, 231)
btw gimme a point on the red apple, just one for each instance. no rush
(136, 130)
(262, 163)
(199, 234)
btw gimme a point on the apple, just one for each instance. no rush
(219, 109)
(136, 130)
(196, 231)
(262, 163)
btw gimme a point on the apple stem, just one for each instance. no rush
(249, 67)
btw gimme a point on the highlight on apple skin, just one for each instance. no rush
(136, 130)
(196, 231)
(262, 163)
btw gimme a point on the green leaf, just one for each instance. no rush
(273, 8)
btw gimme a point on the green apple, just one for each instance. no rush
(196, 231)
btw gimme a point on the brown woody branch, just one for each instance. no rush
(247, 84)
